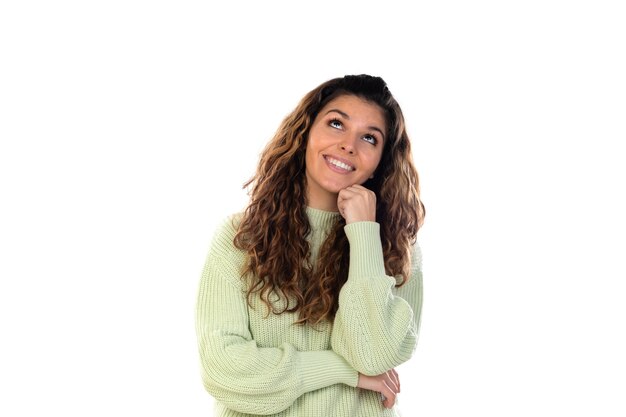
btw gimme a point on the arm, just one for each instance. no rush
(376, 324)
(235, 371)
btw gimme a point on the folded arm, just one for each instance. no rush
(376, 324)
(237, 372)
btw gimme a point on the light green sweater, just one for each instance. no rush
(259, 364)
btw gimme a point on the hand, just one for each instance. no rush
(388, 384)
(357, 204)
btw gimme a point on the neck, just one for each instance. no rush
(325, 201)
(324, 205)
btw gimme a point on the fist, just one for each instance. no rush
(387, 384)
(357, 204)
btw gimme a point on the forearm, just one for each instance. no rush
(268, 380)
(375, 328)
(237, 372)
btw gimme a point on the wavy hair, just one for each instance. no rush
(274, 227)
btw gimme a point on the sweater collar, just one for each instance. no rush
(321, 219)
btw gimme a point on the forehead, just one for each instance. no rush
(356, 108)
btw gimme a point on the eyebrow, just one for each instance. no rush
(345, 115)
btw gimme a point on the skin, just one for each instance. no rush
(388, 384)
(350, 131)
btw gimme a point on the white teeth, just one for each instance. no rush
(340, 164)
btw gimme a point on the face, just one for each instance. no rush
(344, 148)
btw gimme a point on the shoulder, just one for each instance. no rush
(222, 247)
(224, 259)
(225, 232)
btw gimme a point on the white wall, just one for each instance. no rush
(128, 127)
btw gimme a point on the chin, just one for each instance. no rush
(334, 189)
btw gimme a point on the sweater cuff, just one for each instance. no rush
(320, 369)
(366, 250)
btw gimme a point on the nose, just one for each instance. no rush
(347, 145)
(348, 148)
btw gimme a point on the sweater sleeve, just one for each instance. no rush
(244, 377)
(376, 325)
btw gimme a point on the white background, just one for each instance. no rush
(128, 127)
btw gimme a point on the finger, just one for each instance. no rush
(348, 192)
(396, 378)
(357, 189)
(391, 381)
(342, 202)
(361, 190)
(352, 194)
(390, 396)
(345, 194)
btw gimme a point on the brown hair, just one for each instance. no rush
(274, 227)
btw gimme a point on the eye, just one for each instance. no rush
(335, 123)
(370, 139)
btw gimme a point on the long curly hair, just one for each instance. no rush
(274, 227)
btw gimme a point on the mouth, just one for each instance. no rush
(338, 164)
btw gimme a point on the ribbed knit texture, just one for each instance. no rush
(259, 364)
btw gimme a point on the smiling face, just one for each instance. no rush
(344, 148)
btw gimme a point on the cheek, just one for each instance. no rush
(310, 154)
(312, 144)
(374, 162)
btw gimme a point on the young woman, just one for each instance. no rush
(312, 296)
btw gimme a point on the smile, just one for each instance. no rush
(340, 165)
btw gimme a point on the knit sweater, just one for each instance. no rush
(255, 363)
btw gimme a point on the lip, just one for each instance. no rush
(336, 168)
(345, 161)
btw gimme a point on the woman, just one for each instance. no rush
(312, 296)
